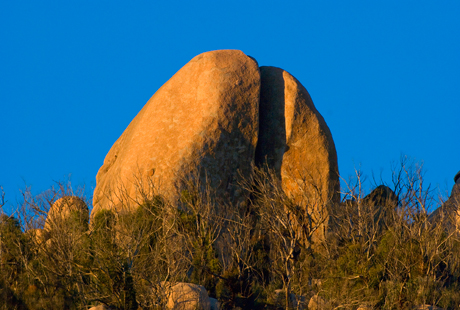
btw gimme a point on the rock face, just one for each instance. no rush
(295, 141)
(372, 214)
(62, 210)
(187, 296)
(449, 213)
(219, 115)
(204, 118)
(382, 201)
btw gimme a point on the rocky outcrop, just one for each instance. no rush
(382, 201)
(295, 141)
(188, 296)
(449, 213)
(368, 215)
(216, 117)
(64, 208)
(205, 119)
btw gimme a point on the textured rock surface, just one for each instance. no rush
(62, 209)
(204, 118)
(295, 141)
(188, 296)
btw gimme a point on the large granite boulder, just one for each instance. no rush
(213, 120)
(205, 119)
(295, 141)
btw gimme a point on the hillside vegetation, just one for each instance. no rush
(381, 249)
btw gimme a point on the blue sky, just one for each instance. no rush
(385, 75)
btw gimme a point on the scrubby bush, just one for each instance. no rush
(381, 250)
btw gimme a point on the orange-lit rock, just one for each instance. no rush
(204, 118)
(295, 141)
(62, 210)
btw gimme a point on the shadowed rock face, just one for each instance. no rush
(372, 213)
(204, 118)
(295, 141)
(449, 212)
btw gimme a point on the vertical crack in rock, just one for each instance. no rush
(296, 143)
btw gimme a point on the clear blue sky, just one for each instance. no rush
(385, 75)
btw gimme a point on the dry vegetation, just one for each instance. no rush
(381, 249)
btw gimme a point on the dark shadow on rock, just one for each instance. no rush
(271, 144)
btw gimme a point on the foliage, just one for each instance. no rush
(382, 249)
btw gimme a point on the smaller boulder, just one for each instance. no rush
(188, 296)
(318, 303)
(364, 307)
(100, 307)
(63, 208)
(37, 235)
